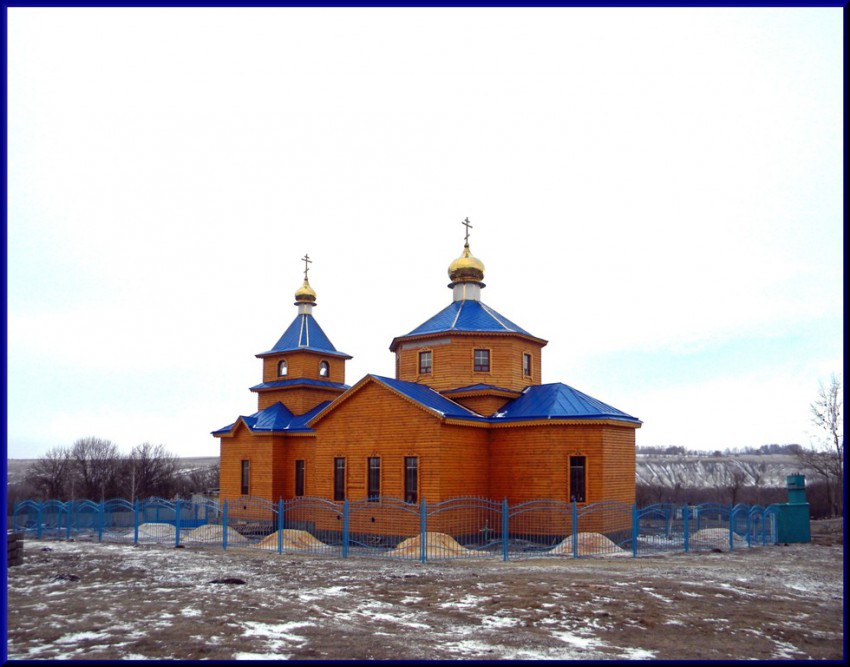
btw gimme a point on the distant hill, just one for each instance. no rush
(766, 470)
(659, 470)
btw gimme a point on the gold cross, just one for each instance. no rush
(307, 261)
(468, 226)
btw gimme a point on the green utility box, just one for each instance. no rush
(792, 518)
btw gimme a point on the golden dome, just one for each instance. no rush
(466, 268)
(305, 294)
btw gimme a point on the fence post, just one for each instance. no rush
(280, 525)
(224, 526)
(70, 504)
(685, 517)
(423, 531)
(575, 530)
(177, 510)
(505, 528)
(731, 526)
(634, 530)
(136, 521)
(38, 525)
(345, 509)
(100, 521)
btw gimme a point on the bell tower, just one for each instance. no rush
(303, 368)
(468, 351)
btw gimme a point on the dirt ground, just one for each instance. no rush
(76, 600)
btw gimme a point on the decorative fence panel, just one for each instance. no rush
(390, 528)
(387, 527)
(538, 528)
(461, 528)
(313, 526)
(659, 527)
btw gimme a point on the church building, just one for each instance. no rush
(465, 415)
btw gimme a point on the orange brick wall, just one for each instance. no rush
(463, 463)
(295, 448)
(376, 422)
(452, 365)
(533, 461)
(304, 364)
(265, 462)
(618, 452)
(298, 399)
(519, 463)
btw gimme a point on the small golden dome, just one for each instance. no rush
(466, 268)
(305, 294)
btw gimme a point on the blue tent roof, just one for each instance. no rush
(558, 401)
(276, 417)
(305, 334)
(467, 315)
(298, 382)
(429, 398)
(478, 387)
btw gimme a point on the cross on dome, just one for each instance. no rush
(305, 295)
(468, 226)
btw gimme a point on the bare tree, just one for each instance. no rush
(151, 470)
(825, 458)
(198, 480)
(737, 480)
(50, 474)
(95, 463)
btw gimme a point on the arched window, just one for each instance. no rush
(323, 369)
(282, 368)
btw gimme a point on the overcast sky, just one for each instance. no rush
(656, 192)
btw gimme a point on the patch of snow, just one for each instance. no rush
(281, 631)
(80, 636)
(465, 601)
(638, 654)
(499, 622)
(574, 640)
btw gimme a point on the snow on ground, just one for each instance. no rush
(84, 600)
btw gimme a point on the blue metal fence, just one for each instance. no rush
(391, 528)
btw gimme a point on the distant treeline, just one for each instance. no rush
(94, 469)
(677, 450)
(817, 495)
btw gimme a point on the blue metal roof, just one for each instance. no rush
(467, 315)
(299, 382)
(478, 387)
(305, 334)
(276, 417)
(430, 399)
(558, 401)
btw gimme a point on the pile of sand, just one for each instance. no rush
(157, 531)
(715, 537)
(436, 545)
(292, 539)
(588, 544)
(212, 533)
